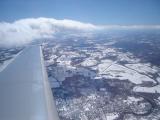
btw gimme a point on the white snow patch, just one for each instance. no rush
(130, 100)
(89, 62)
(104, 65)
(142, 68)
(120, 72)
(111, 116)
(155, 89)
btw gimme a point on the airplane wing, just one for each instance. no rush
(25, 93)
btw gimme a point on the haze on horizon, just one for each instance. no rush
(22, 22)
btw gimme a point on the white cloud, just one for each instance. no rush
(127, 27)
(26, 30)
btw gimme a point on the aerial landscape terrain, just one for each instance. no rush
(111, 75)
(95, 59)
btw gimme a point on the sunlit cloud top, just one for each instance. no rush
(25, 30)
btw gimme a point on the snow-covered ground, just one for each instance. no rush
(155, 89)
(111, 116)
(7, 62)
(110, 69)
(131, 100)
(143, 68)
(85, 75)
(89, 62)
(50, 61)
(63, 71)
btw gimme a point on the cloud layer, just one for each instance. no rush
(24, 31)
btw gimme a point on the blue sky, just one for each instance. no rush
(123, 12)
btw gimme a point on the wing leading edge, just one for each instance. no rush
(25, 93)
